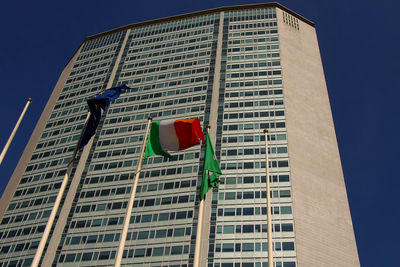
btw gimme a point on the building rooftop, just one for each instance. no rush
(204, 12)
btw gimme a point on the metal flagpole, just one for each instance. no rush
(196, 262)
(269, 224)
(60, 194)
(122, 239)
(3, 153)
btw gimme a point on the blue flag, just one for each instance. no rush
(96, 103)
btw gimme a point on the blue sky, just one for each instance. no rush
(359, 48)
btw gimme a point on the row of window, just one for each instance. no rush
(254, 93)
(251, 228)
(91, 239)
(137, 49)
(108, 53)
(101, 207)
(252, 40)
(265, 114)
(72, 79)
(164, 201)
(167, 186)
(173, 51)
(66, 95)
(253, 74)
(253, 83)
(161, 233)
(153, 173)
(253, 25)
(254, 165)
(253, 247)
(46, 175)
(253, 179)
(96, 81)
(105, 192)
(249, 104)
(157, 217)
(137, 253)
(252, 211)
(253, 138)
(174, 102)
(256, 264)
(90, 54)
(274, 63)
(68, 103)
(19, 247)
(91, 68)
(253, 194)
(172, 83)
(146, 174)
(61, 131)
(163, 94)
(252, 17)
(103, 41)
(169, 75)
(168, 59)
(138, 203)
(36, 189)
(253, 151)
(33, 215)
(253, 126)
(92, 74)
(164, 216)
(185, 25)
(254, 48)
(53, 163)
(22, 232)
(144, 188)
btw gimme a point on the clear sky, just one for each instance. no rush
(359, 43)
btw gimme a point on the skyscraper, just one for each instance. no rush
(239, 69)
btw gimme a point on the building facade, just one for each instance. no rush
(239, 69)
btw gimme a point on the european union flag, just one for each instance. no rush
(96, 103)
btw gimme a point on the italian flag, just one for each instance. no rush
(173, 135)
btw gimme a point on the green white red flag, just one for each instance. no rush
(173, 135)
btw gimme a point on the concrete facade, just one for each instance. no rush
(323, 226)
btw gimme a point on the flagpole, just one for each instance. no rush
(57, 202)
(196, 262)
(3, 153)
(269, 224)
(122, 239)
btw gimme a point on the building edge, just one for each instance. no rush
(320, 204)
(35, 137)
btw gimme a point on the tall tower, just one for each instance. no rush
(241, 69)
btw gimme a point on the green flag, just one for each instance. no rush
(212, 165)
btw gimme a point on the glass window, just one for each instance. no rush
(140, 252)
(161, 233)
(143, 235)
(179, 232)
(227, 247)
(176, 250)
(247, 247)
(104, 255)
(228, 229)
(158, 251)
(87, 256)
